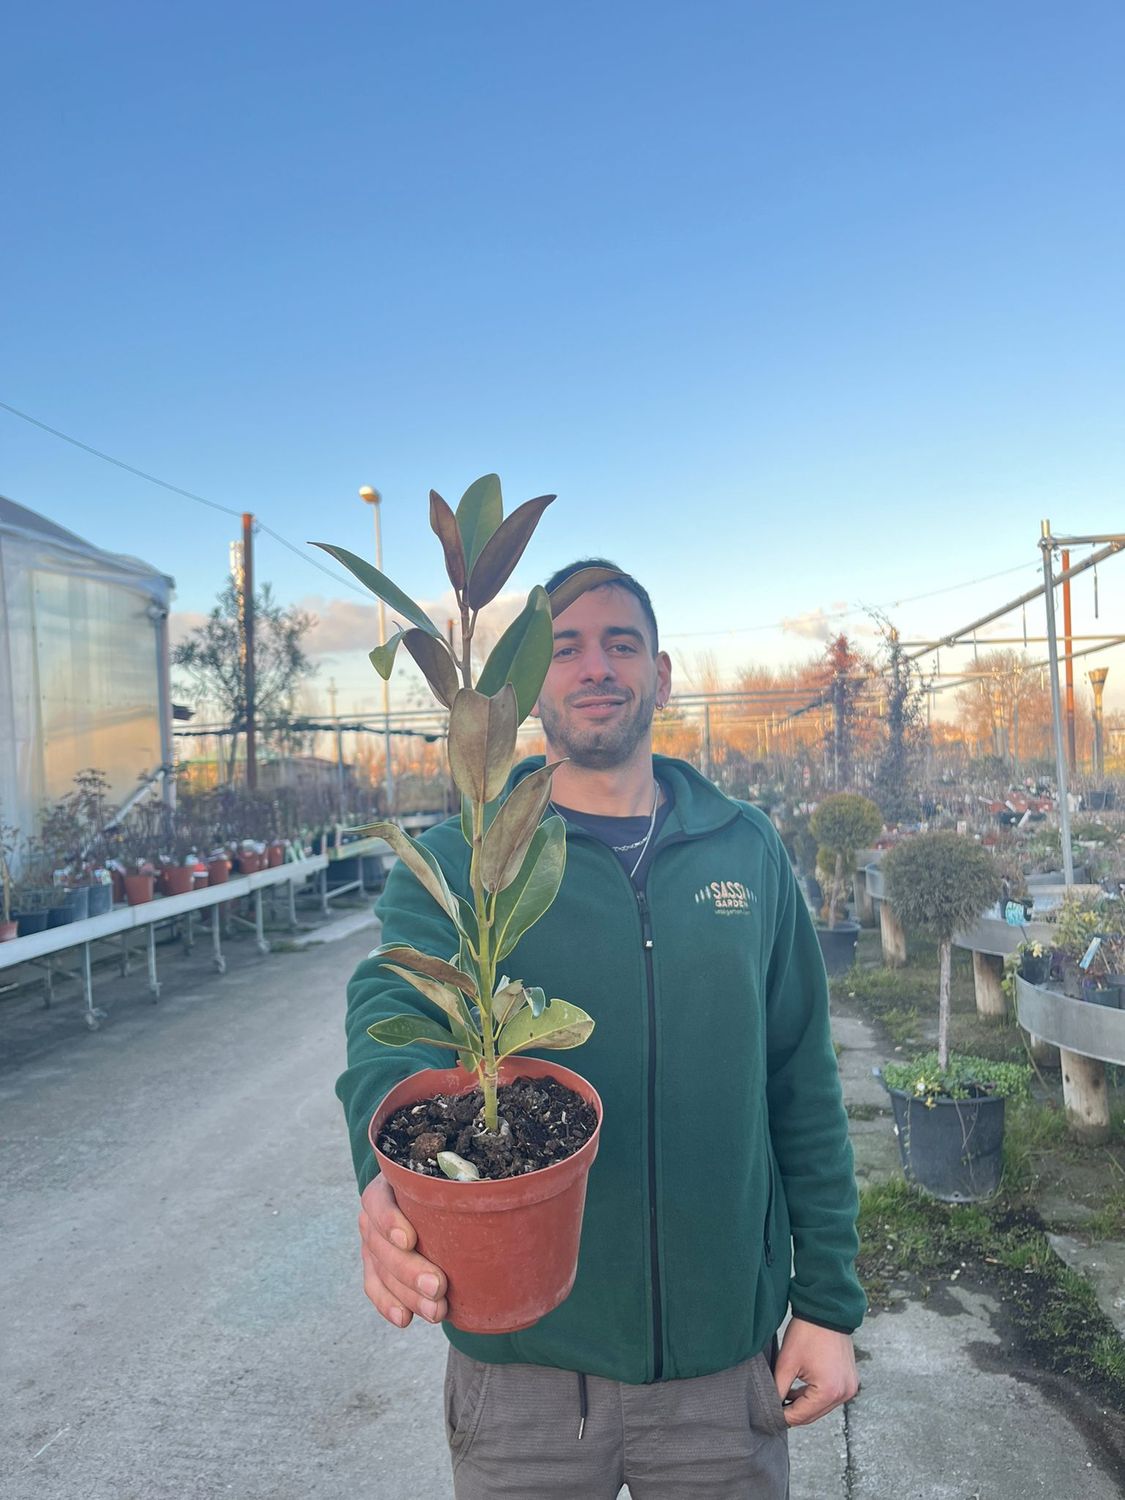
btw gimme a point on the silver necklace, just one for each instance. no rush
(641, 844)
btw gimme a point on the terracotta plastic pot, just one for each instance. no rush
(139, 889)
(8, 931)
(117, 883)
(250, 863)
(275, 855)
(509, 1248)
(218, 871)
(177, 880)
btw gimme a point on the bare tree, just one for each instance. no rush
(215, 670)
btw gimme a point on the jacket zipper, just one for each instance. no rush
(767, 1243)
(654, 1246)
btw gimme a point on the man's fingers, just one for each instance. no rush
(388, 1306)
(381, 1208)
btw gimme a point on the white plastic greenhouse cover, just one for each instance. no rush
(83, 665)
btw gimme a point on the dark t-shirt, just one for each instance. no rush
(625, 836)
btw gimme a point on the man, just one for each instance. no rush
(724, 1146)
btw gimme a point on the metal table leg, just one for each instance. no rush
(217, 958)
(153, 981)
(291, 887)
(324, 891)
(263, 946)
(94, 1015)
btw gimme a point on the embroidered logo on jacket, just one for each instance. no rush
(728, 897)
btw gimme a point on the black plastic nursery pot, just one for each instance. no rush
(28, 922)
(99, 900)
(953, 1148)
(838, 945)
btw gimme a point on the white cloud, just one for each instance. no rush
(816, 624)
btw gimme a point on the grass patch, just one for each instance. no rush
(908, 1237)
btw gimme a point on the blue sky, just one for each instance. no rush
(797, 307)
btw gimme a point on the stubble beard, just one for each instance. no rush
(597, 747)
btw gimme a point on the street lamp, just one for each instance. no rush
(372, 497)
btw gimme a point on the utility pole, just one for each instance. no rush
(339, 744)
(1068, 663)
(248, 647)
(372, 497)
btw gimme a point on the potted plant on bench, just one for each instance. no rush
(508, 1243)
(949, 1110)
(841, 824)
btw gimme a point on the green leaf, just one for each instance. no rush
(444, 525)
(480, 512)
(382, 587)
(522, 655)
(436, 664)
(442, 995)
(383, 657)
(419, 861)
(557, 1027)
(508, 999)
(513, 828)
(400, 1031)
(466, 919)
(423, 963)
(521, 904)
(503, 550)
(482, 741)
(575, 586)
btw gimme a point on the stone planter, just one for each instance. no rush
(838, 945)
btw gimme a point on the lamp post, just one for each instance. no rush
(373, 498)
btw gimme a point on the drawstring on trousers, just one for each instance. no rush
(581, 1404)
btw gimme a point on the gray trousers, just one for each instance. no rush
(514, 1431)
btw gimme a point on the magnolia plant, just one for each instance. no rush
(517, 855)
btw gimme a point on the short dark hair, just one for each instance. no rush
(626, 581)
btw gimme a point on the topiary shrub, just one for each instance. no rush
(940, 882)
(843, 824)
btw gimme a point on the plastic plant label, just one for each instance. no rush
(1090, 954)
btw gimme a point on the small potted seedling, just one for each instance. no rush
(502, 1220)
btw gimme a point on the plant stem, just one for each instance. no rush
(487, 964)
(945, 947)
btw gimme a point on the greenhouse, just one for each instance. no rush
(83, 665)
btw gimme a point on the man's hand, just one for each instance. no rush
(396, 1279)
(824, 1361)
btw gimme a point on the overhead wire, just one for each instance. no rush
(175, 489)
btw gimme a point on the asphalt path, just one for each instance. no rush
(181, 1312)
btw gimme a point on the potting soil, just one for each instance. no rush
(545, 1123)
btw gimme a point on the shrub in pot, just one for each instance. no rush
(941, 883)
(508, 1245)
(842, 824)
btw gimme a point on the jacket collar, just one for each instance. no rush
(698, 806)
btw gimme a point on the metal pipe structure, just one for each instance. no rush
(1046, 546)
(1068, 661)
(1097, 681)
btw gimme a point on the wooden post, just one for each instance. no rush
(1046, 1054)
(893, 937)
(988, 971)
(1085, 1097)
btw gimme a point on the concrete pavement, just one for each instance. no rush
(181, 1307)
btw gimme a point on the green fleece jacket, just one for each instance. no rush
(724, 1146)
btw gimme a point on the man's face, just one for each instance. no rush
(597, 702)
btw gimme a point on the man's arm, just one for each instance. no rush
(809, 1133)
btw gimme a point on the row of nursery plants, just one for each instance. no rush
(84, 858)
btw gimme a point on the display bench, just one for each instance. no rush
(116, 928)
(1087, 1036)
(359, 850)
(990, 940)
